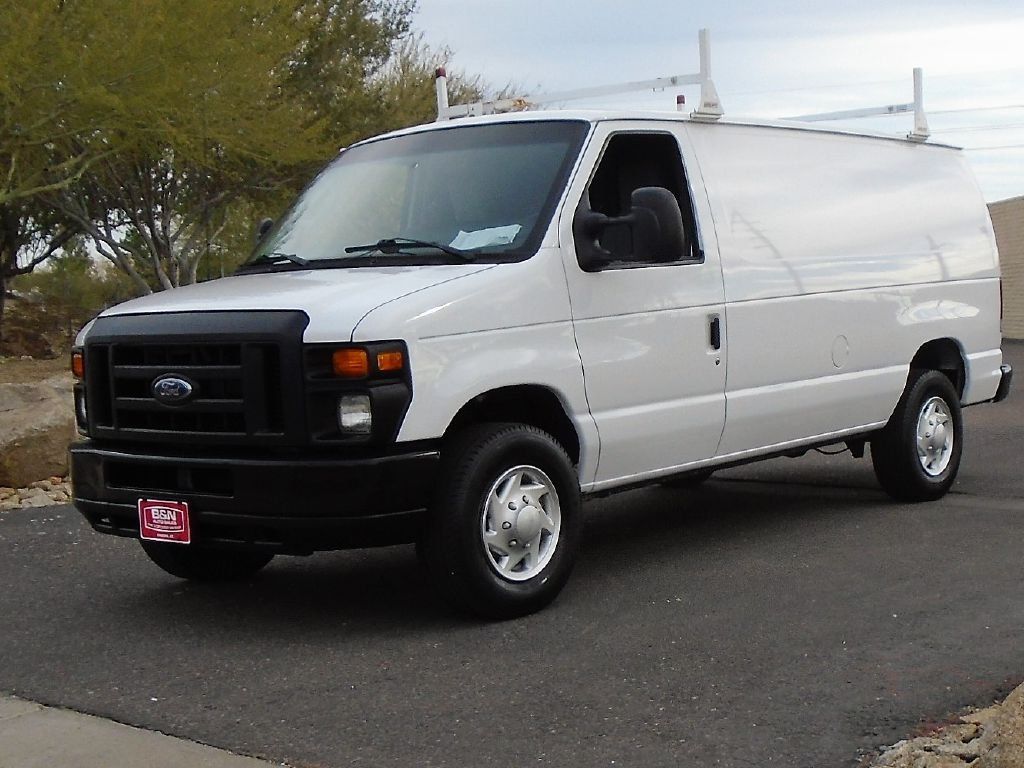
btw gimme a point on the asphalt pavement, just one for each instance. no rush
(785, 613)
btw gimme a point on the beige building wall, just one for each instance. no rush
(1008, 222)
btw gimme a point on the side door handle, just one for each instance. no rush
(715, 332)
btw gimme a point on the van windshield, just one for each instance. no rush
(468, 193)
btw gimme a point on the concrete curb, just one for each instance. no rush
(34, 736)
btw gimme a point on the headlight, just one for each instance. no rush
(355, 416)
(357, 394)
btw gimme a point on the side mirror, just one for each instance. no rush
(654, 219)
(586, 228)
(262, 228)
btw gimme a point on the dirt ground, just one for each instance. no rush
(16, 370)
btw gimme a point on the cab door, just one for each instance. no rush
(651, 335)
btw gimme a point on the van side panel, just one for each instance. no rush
(825, 362)
(841, 257)
(801, 212)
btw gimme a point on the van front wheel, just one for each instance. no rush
(916, 456)
(504, 525)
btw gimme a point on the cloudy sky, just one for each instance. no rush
(773, 60)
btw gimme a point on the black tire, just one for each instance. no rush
(894, 450)
(690, 479)
(461, 565)
(197, 564)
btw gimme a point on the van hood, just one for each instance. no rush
(334, 299)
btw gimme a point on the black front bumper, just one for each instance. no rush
(290, 503)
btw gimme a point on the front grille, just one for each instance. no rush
(216, 370)
(239, 379)
(220, 374)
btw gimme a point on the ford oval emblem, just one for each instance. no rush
(172, 390)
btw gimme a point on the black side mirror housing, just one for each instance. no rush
(263, 228)
(656, 223)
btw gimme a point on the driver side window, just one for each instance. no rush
(631, 161)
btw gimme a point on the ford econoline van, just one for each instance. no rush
(460, 331)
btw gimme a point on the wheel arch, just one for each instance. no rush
(531, 404)
(946, 356)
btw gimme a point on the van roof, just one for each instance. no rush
(604, 115)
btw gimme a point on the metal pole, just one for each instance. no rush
(710, 105)
(441, 86)
(920, 132)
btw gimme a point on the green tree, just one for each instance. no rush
(28, 237)
(36, 119)
(44, 107)
(198, 119)
(158, 128)
(403, 90)
(70, 289)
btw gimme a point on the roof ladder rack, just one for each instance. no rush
(710, 107)
(920, 132)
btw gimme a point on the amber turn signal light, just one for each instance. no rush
(78, 365)
(351, 363)
(390, 361)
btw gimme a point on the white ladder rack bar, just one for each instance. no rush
(709, 109)
(920, 132)
(853, 114)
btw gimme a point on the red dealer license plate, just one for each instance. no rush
(164, 521)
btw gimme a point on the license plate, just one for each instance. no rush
(164, 521)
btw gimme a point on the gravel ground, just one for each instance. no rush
(53, 490)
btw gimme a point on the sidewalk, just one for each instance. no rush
(34, 736)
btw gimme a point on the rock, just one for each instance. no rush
(917, 753)
(26, 343)
(6, 493)
(36, 501)
(965, 751)
(36, 426)
(989, 738)
(1007, 735)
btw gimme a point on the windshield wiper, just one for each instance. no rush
(274, 256)
(392, 245)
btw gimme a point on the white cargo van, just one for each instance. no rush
(460, 330)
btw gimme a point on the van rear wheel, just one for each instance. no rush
(916, 455)
(197, 564)
(504, 526)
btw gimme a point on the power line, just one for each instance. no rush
(829, 86)
(809, 88)
(930, 112)
(990, 149)
(994, 108)
(972, 128)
